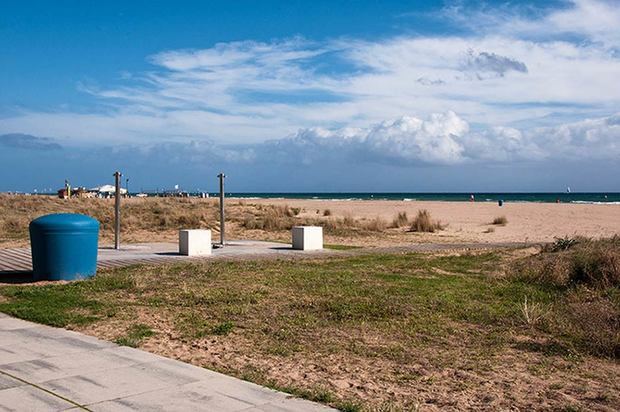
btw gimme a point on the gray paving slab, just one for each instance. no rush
(28, 398)
(50, 369)
(185, 398)
(7, 382)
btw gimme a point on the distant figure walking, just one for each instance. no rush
(472, 198)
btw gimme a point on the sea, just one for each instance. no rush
(507, 197)
(535, 197)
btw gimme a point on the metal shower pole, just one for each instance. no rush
(117, 210)
(222, 219)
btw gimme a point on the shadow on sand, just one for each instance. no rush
(16, 276)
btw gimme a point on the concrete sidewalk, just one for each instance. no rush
(19, 260)
(49, 369)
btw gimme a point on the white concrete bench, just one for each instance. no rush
(194, 242)
(307, 237)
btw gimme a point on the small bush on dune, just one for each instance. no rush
(424, 223)
(327, 212)
(587, 274)
(595, 263)
(561, 243)
(590, 320)
(500, 220)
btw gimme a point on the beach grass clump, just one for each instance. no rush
(400, 220)
(587, 272)
(567, 263)
(327, 212)
(270, 218)
(500, 221)
(375, 225)
(424, 223)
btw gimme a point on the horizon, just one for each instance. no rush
(290, 97)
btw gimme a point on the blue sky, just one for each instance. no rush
(312, 96)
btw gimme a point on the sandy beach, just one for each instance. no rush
(369, 223)
(467, 221)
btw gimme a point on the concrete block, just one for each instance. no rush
(195, 242)
(307, 237)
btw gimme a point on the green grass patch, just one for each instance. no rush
(340, 247)
(135, 334)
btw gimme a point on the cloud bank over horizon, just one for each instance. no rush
(440, 139)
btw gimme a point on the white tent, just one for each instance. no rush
(108, 189)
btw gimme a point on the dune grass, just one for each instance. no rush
(589, 271)
(159, 219)
(400, 220)
(389, 325)
(423, 222)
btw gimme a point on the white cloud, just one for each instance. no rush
(446, 138)
(514, 70)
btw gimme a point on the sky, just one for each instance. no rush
(321, 96)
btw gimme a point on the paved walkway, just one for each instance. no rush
(16, 263)
(18, 260)
(49, 369)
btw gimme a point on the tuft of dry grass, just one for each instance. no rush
(282, 218)
(500, 221)
(532, 312)
(424, 223)
(400, 220)
(327, 212)
(375, 225)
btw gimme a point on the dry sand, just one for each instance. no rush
(467, 221)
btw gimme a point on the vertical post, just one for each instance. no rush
(127, 187)
(222, 219)
(117, 210)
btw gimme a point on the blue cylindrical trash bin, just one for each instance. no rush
(64, 246)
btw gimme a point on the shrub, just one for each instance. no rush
(424, 223)
(561, 243)
(587, 273)
(595, 263)
(590, 320)
(500, 220)
(327, 212)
